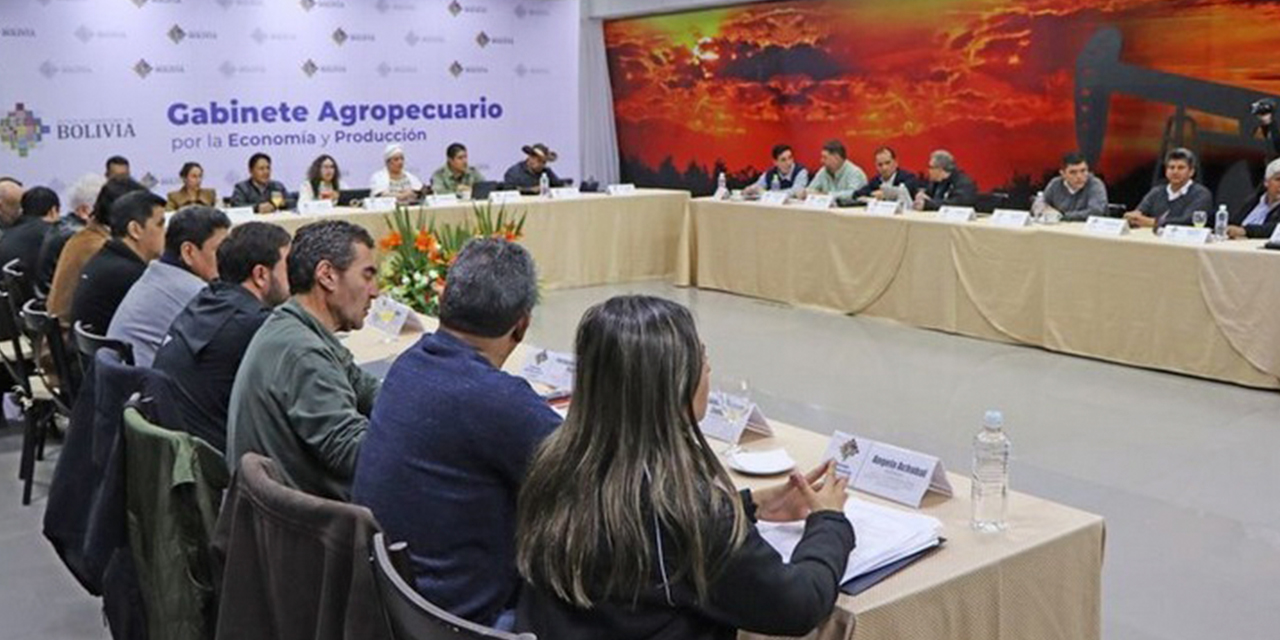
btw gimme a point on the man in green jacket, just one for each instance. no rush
(457, 175)
(838, 176)
(299, 398)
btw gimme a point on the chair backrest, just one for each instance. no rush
(17, 283)
(14, 358)
(88, 344)
(42, 328)
(409, 615)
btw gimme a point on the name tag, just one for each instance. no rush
(620, 189)
(819, 201)
(1185, 235)
(551, 369)
(503, 197)
(774, 198)
(380, 204)
(957, 214)
(884, 470)
(1102, 226)
(441, 199)
(391, 317)
(312, 207)
(239, 214)
(567, 193)
(728, 416)
(1275, 235)
(1010, 218)
(884, 207)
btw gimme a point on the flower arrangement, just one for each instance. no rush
(420, 253)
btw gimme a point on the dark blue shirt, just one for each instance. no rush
(441, 465)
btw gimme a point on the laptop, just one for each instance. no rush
(347, 196)
(481, 190)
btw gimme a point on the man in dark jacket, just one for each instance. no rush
(888, 173)
(1258, 216)
(207, 341)
(526, 174)
(23, 239)
(948, 185)
(137, 237)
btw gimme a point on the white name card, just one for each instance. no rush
(1102, 226)
(315, 207)
(887, 471)
(565, 193)
(239, 214)
(1275, 235)
(441, 199)
(550, 368)
(884, 207)
(624, 189)
(503, 197)
(1011, 218)
(1185, 235)
(774, 198)
(728, 416)
(957, 214)
(384, 203)
(392, 317)
(819, 201)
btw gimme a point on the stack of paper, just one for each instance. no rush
(885, 535)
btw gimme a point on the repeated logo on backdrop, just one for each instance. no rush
(21, 130)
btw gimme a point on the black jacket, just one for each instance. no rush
(957, 190)
(905, 178)
(23, 241)
(103, 284)
(755, 592)
(1263, 230)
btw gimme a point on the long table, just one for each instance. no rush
(1210, 311)
(589, 240)
(1039, 579)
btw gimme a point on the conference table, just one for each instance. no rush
(587, 240)
(1211, 311)
(1041, 579)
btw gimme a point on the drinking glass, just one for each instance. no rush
(1199, 218)
(277, 200)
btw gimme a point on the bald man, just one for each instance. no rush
(10, 201)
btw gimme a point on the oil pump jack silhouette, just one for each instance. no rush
(1100, 73)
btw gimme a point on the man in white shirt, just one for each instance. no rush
(393, 180)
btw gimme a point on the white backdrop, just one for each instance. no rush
(101, 77)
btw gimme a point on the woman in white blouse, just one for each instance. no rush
(393, 180)
(322, 181)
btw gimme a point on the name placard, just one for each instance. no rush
(1275, 235)
(884, 207)
(385, 203)
(774, 198)
(567, 193)
(441, 199)
(819, 201)
(957, 214)
(1103, 226)
(551, 369)
(392, 317)
(623, 189)
(503, 197)
(315, 207)
(728, 416)
(884, 470)
(1185, 235)
(239, 214)
(1011, 218)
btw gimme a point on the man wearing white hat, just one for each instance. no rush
(394, 180)
(526, 174)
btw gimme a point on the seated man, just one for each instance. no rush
(526, 175)
(23, 238)
(260, 191)
(298, 397)
(888, 174)
(948, 185)
(207, 341)
(83, 193)
(117, 167)
(1176, 201)
(137, 237)
(1076, 193)
(83, 246)
(785, 174)
(457, 175)
(1260, 214)
(189, 262)
(392, 180)
(838, 176)
(10, 200)
(452, 435)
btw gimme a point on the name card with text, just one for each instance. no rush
(315, 207)
(819, 201)
(238, 215)
(958, 214)
(887, 471)
(1011, 218)
(1101, 226)
(441, 199)
(1275, 236)
(1185, 235)
(884, 207)
(628, 188)
(551, 369)
(565, 193)
(384, 203)
(728, 416)
(392, 317)
(504, 197)
(774, 198)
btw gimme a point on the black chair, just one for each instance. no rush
(14, 350)
(17, 283)
(32, 392)
(409, 615)
(88, 344)
(44, 329)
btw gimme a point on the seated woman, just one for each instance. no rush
(393, 180)
(322, 181)
(191, 191)
(629, 527)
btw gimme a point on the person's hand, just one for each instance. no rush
(266, 207)
(1236, 233)
(752, 190)
(801, 194)
(877, 194)
(830, 496)
(784, 502)
(1139, 219)
(332, 195)
(921, 200)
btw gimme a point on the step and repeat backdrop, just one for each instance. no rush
(164, 82)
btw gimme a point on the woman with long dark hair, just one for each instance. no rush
(323, 180)
(629, 527)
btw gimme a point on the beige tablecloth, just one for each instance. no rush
(590, 240)
(1209, 311)
(1040, 580)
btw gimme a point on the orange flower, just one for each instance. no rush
(425, 242)
(392, 241)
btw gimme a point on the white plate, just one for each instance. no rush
(762, 463)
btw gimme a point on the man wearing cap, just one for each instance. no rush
(526, 174)
(394, 180)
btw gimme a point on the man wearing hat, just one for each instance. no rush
(526, 174)
(394, 180)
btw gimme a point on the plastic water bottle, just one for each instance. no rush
(1038, 207)
(990, 474)
(544, 185)
(721, 183)
(1220, 223)
(776, 185)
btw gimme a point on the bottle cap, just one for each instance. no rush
(993, 419)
